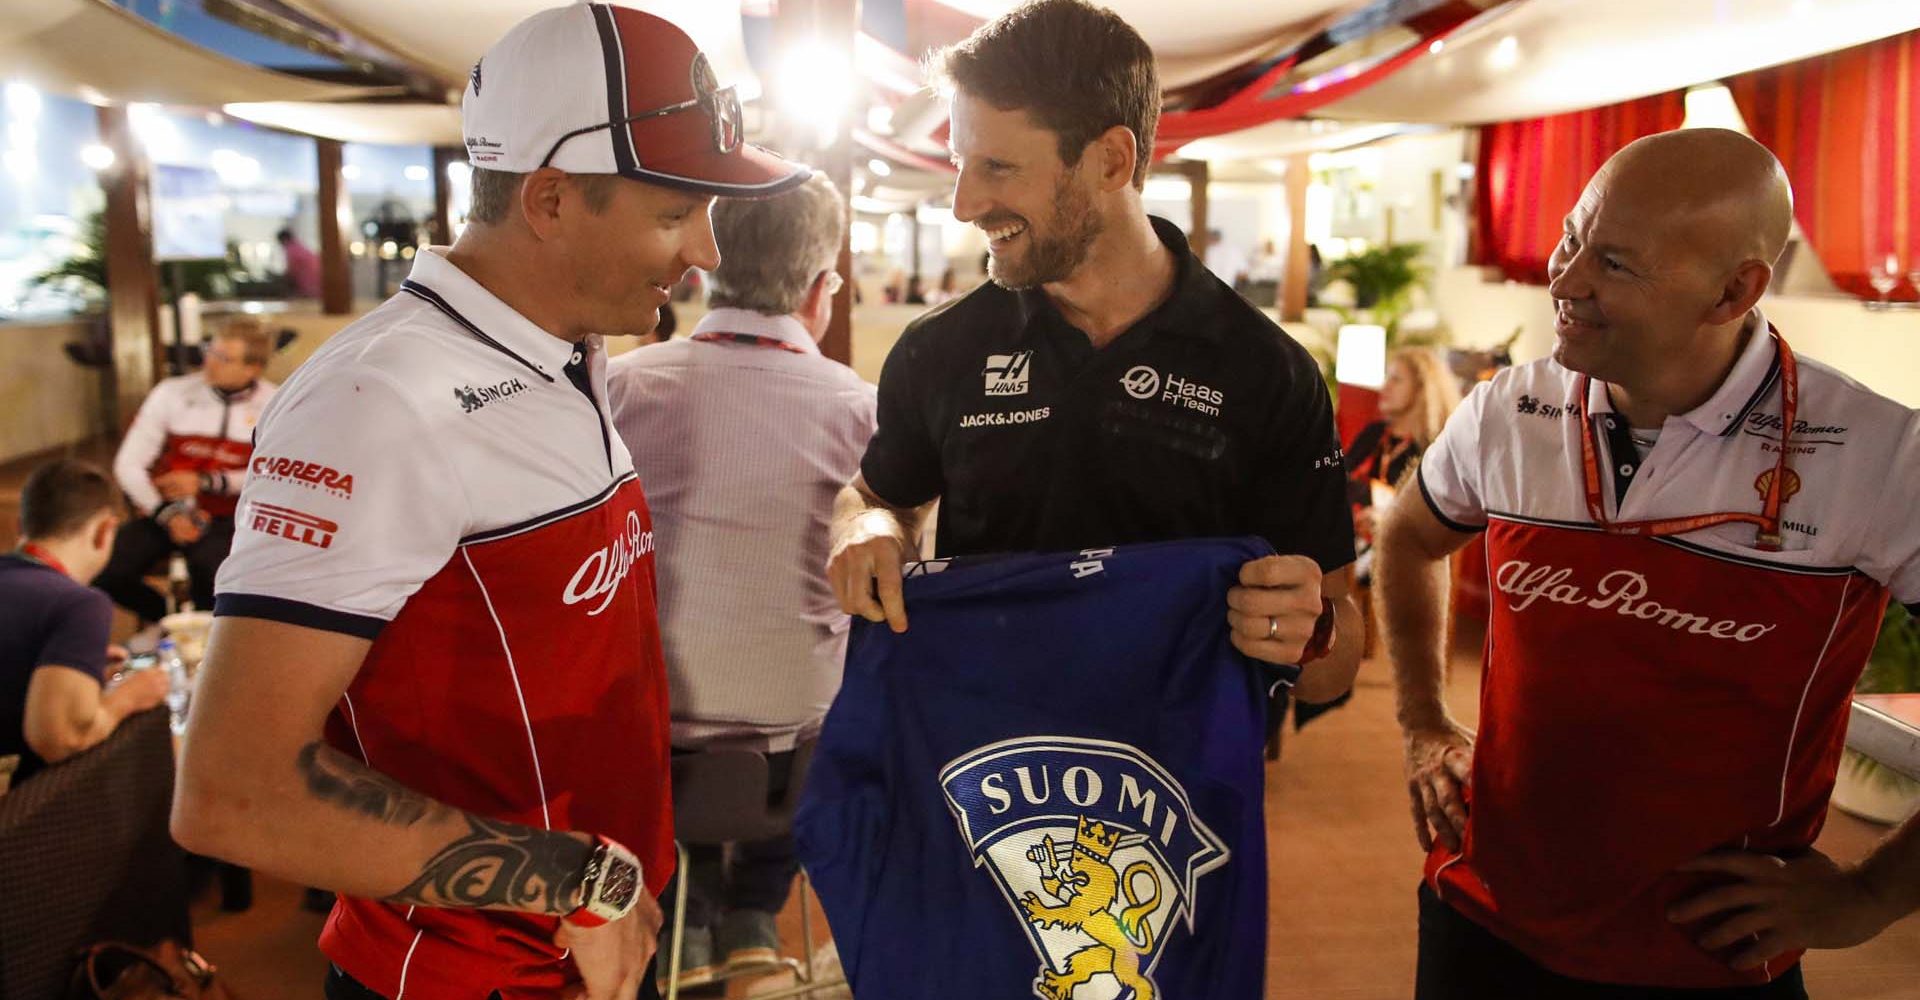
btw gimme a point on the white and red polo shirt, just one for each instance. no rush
(186, 424)
(1648, 699)
(442, 478)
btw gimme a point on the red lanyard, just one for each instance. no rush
(1768, 519)
(1380, 463)
(43, 557)
(751, 340)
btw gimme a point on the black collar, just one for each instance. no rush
(1190, 309)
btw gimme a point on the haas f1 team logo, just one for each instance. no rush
(1008, 374)
(1095, 847)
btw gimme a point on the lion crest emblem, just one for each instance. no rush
(1097, 851)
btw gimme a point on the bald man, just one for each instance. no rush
(1691, 536)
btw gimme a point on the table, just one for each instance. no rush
(1886, 727)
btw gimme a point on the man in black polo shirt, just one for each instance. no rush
(1104, 388)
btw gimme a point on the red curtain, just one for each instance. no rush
(1847, 127)
(1531, 172)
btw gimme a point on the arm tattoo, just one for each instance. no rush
(334, 777)
(495, 865)
(500, 865)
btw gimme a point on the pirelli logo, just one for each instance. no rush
(293, 525)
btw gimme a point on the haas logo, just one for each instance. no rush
(599, 577)
(1096, 849)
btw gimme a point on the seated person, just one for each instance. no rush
(182, 464)
(53, 627)
(753, 635)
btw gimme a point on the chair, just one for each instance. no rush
(720, 796)
(85, 856)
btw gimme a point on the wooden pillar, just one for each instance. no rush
(133, 290)
(832, 24)
(1293, 298)
(335, 213)
(1197, 176)
(440, 229)
(1195, 173)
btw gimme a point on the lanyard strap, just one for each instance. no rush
(749, 339)
(42, 556)
(1768, 520)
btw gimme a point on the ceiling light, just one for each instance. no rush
(96, 156)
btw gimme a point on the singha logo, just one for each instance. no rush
(472, 398)
(1096, 848)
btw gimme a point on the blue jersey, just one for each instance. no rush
(1051, 784)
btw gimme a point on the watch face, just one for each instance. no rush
(620, 885)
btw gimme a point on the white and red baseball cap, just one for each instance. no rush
(595, 88)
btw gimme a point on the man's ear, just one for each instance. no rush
(1118, 153)
(541, 195)
(1741, 292)
(104, 528)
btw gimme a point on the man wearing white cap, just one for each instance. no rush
(434, 684)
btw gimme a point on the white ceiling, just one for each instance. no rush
(1547, 56)
(101, 53)
(389, 124)
(447, 37)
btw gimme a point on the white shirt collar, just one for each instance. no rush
(782, 328)
(1752, 376)
(467, 300)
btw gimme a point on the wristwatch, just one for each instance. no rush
(609, 886)
(1321, 643)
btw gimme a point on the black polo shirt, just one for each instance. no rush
(1203, 419)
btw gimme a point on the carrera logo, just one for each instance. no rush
(599, 577)
(1006, 374)
(312, 475)
(293, 525)
(1143, 382)
(472, 399)
(1623, 592)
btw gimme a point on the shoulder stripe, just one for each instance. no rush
(542, 520)
(280, 609)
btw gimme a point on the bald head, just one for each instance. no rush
(1718, 190)
(1663, 262)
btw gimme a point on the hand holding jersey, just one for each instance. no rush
(1274, 612)
(1103, 388)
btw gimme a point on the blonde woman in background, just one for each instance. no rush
(1419, 394)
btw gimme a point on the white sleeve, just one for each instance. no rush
(145, 439)
(1892, 550)
(351, 507)
(1449, 470)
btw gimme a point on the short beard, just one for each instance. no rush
(1067, 239)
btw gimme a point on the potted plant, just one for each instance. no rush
(1865, 787)
(82, 276)
(1383, 279)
